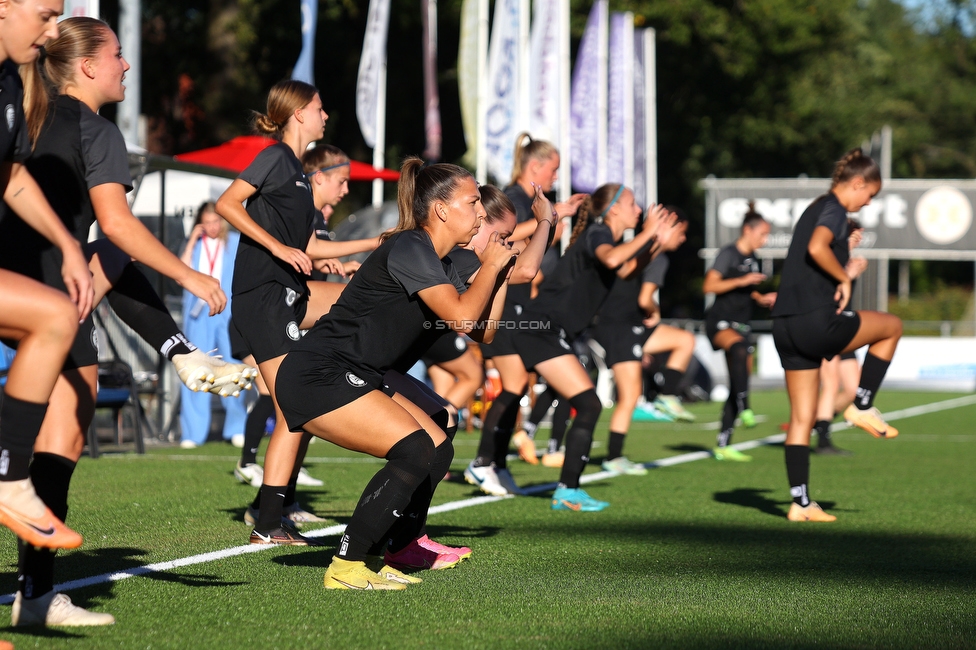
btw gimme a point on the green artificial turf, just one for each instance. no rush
(696, 555)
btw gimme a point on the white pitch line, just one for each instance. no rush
(913, 411)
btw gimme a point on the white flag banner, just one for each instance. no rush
(304, 69)
(468, 77)
(502, 124)
(585, 114)
(544, 79)
(80, 8)
(371, 62)
(640, 135)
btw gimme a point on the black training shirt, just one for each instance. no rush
(621, 306)
(464, 262)
(575, 291)
(804, 286)
(519, 294)
(76, 150)
(283, 206)
(379, 316)
(734, 305)
(14, 143)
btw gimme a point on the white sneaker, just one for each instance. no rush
(237, 440)
(485, 478)
(306, 479)
(251, 473)
(506, 480)
(188, 444)
(54, 609)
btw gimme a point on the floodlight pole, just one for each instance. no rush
(130, 37)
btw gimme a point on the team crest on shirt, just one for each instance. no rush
(291, 329)
(354, 381)
(11, 116)
(290, 297)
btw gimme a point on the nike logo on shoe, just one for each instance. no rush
(569, 504)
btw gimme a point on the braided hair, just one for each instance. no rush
(855, 163)
(593, 206)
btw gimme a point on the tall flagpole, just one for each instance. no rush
(130, 37)
(481, 149)
(379, 150)
(628, 88)
(565, 151)
(650, 114)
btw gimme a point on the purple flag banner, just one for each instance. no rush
(585, 119)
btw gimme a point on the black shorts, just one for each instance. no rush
(446, 348)
(714, 325)
(847, 356)
(309, 385)
(267, 318)
(804, 340)
(502, 345)
(622, 342)
(84, 349)
(536, 346)
(45, 267)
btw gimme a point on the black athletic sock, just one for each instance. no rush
(822, 427)
(672, 378)
(503, 438)
(387, 495)
(254, 428)
(137, 304)
(798, 473)
(51, 475)
(486, 448)
(615, 448)
(579, 439)
(560, 422)
(728, 413)
(20, 422)
(872, 374)
(543, 403)
(271, 500)
(737, 358)
(414, 522)
(290, 493)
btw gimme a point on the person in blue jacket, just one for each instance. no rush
(211, 249)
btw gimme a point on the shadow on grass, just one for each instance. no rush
(688, 448)
(753, 498)
(778, 551)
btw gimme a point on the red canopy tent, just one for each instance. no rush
(236, 154)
